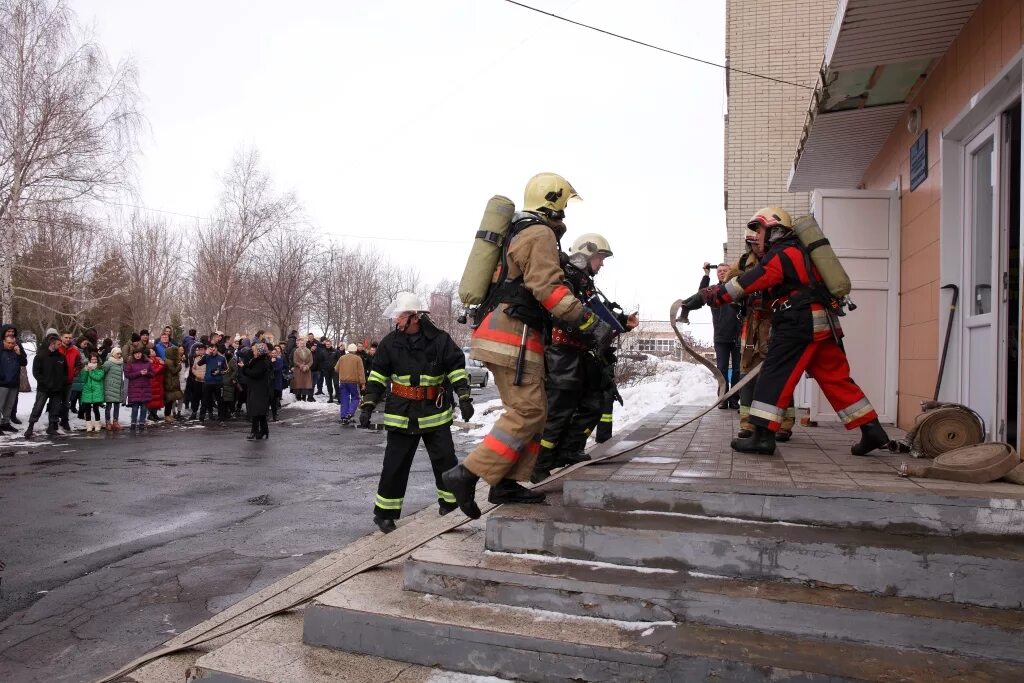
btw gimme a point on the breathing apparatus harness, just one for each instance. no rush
(521, 304)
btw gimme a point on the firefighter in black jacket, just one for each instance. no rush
(424, 366)
(805, 337)
(577, 382)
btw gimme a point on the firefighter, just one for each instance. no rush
(806, 337)
(754, 335)
(576, 377)
(424, 366)
(526, 292)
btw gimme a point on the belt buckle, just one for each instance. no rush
(784, 306)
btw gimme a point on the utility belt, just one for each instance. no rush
(802, 298)
(560, 337)
(415, 393)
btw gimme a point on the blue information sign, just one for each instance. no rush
(919, 161)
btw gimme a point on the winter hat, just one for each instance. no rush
(51, 331)
(260, 348)
(351, 348)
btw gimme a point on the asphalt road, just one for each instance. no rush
(114, 543)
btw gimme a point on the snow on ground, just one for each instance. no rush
(674, 383)
(453, 677)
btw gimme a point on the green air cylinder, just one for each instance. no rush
(822, 256)
(483, 257)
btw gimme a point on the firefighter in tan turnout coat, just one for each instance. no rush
(520, 307)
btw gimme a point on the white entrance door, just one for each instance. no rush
(979, 295)
(863, 227)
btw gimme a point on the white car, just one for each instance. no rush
(477, 372)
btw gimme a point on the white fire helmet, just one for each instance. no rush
(404, 302)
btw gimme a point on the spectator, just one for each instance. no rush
(197, 372)
(12, 360)
(351, 381)
(92, 393)
(259, 375)
(74, 362)
(318, 359)
(156, 390)
(50, 368)
(330, 357)
(169, 331)
(278, 365)
(115, 389)
(188, 342)
(215, 367)
(302, 377)
(172, 383)
(231, 390)
(163, 344)
(104, 350)
(726, 323)
(140, 386)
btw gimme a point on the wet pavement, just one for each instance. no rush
(114, 543)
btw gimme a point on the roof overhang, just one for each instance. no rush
(878, 54)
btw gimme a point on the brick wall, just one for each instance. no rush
(987, 42)
(784, 39)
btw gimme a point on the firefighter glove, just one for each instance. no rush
(466, 406)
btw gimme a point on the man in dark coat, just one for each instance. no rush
(12, 360)
(50, 368)
(726, 322)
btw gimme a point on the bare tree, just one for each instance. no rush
(151, 252)
(249, 210)
(54, 274)
(68, 119)
(444, 311)
(278, 278)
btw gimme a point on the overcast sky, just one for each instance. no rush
(400, 118)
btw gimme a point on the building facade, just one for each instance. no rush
(784, 40)
(911, 151)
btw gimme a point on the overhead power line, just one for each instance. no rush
(660, 49)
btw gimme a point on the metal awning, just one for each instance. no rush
(877, 54)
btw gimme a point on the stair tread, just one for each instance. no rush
(644, 583)
(273, 652)
(992, 547)
(380, 593)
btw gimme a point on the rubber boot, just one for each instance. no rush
(511, 491)
(28, 430)
(744, 434)
(872, 436)
(462, 483)
(783, 434)
(444, 508)
(568, 459)
(761, 442)
(385, 525)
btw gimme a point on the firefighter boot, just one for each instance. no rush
(872, 436)
(462, 483)
(545, 463)
(761, 442)
(385, 525)
(511, 491)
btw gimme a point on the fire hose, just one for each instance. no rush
(253, 616)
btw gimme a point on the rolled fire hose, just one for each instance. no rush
(941, 428)
(978, 464)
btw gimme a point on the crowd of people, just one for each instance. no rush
(205, 378)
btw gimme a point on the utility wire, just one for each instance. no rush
(660, 49)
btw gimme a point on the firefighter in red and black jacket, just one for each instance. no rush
(806, 337)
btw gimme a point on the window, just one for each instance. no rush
(657, 345)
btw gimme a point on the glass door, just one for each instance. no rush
(981, 296)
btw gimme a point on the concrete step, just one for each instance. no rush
(985, 571)
(371, 614)
(273, 652)
(639, 594)
(900, 513)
